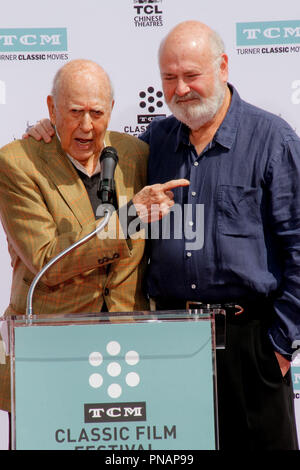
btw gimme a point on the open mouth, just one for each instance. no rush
(83, 141)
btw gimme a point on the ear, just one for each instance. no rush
(224, 68)
(51, 109)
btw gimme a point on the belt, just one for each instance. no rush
(240, 308)
(230, 307)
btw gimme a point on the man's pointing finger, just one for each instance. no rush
(174, 184)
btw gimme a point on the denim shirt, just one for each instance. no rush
(242, 208)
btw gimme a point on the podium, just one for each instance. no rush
(121, 381)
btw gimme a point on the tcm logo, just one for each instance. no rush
(33, 39)
(151, 104)
(270, 32)
(150, 101)
(114, 412)
(2, 92)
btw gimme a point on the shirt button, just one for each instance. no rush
(194, 193)
(193, 286)
(189, 254)
(196, 163)
(106, 291)
(191, 223)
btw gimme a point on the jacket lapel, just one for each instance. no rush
(67, 181)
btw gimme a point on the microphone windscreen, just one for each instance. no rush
(108, 161)
(109, 152)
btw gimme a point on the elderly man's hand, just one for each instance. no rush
(154, 202)
(43, 129)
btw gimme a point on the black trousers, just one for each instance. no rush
(255, 403)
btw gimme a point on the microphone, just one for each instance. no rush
(106, 187)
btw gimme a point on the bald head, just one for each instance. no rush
(76, 71)
(193, 34)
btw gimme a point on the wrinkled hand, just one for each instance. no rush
(154, 202)
(42, 130)
(284, 363)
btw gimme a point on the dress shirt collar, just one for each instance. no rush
(81, 168)
(226, 133)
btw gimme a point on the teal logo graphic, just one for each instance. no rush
(33, 39)
(268, 32)
(114, 369)
(295, 369)
(107, 387)
(296, 377)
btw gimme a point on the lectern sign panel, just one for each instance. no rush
(127, 386)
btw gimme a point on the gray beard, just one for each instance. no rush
(197, 114)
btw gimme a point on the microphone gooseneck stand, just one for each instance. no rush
(102, 224)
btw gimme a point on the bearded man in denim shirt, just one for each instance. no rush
(243, 165)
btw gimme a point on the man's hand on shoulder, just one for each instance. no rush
(42, 130)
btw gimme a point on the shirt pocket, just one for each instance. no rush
(239, 211)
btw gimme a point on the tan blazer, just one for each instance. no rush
(44, 208)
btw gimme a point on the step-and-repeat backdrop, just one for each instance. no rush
(262, 40)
